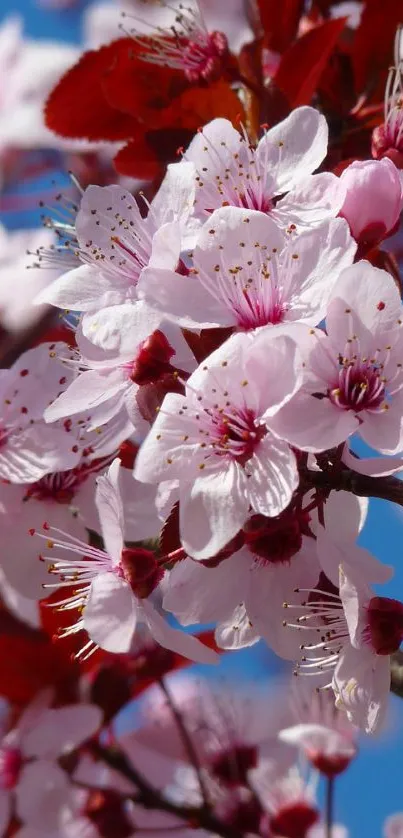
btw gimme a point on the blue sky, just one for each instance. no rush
(372, 787)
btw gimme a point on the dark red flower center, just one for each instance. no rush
(276, 540)
(140, 570)
(385, 624)
(294, 820)
(152, 360)
(231, 766)
(359, 387)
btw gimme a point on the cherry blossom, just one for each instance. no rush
(288, 799)
(322, 731)
(216, 440)
(32, 783)
(115, 243)
(28, 449)
(353, 373)
(372, 220)
(278, 555)
(246, 274)
(229, 170)
(112, 586)
(120, 349)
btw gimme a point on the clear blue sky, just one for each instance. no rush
(373, 786)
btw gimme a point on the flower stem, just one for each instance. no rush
(329, 806)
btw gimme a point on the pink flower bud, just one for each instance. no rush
(373, 200)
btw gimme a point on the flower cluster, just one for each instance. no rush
(201, 386)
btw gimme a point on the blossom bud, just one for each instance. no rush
(373, 201)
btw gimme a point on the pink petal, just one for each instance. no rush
(374, 466)
(361, 683)
(109, 616)
(273, 476)
(81, 289)
(110, 509)
(315, 199)
(90, 389)
(295, 147)
(61, 731)
(237, 631)
(175, 639)
(212, 510)
(5, 810)
(42, 793)
(199, 594)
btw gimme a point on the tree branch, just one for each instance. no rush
(151, 798)
(343, 478)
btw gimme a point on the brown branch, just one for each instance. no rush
(345, 479)
(151, 798)
(396, 674)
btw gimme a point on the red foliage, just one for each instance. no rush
(303, 63)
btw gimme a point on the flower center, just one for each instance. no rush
(237, 435)
(294, 820)
(385, 625)
(232, 765)
(152, 360)
(359, 387)
(204, 59)
(10, 767)
(140, 570)
(276, 540)
(105, 809)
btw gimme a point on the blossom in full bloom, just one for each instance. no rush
(247, 274)
(121, 349)
(112, 587)
(115, 243)
(373, 201)
(31, 779)
(276, 555)
(216, 441)
(354, 373)
(229, 170)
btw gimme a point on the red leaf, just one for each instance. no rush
(29, 664)
(137, 159)
(373, 43)
(303, 63)
(280, 19)
(77, 106)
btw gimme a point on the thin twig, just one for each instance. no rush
(188, 744)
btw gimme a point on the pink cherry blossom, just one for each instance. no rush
(246, 274)
(231, 727)
(120, 349)
(113, 586)
(277, 556)
(30, 778)
(322, 732)
(216, 440)
(373, 201)
(115, 243)
(29, 449)
(288, 799)
(354, 373)
(393, 826)
(229, 170)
